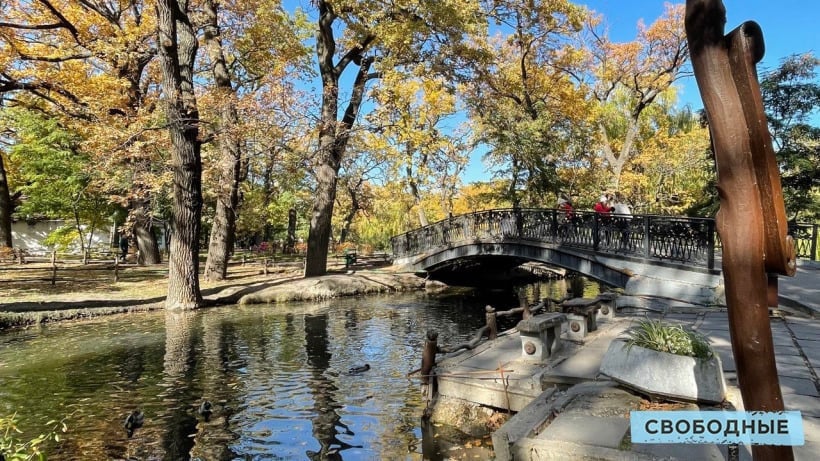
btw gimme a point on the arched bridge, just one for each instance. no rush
(669, 256)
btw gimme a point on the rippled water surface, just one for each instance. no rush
(278, 378)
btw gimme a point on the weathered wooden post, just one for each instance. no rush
(116, 269)
(492, 324)
(265, 266)
(524, 304)
(428, 356)
(53, 268)
(752, 219)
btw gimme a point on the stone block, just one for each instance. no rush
(605, 313)
(541, 335)
(577, 327)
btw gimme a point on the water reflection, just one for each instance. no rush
(326, 419)
(276, 376)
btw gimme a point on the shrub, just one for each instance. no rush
(15, 449)
(674, 339)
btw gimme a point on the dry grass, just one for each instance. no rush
(29, 287)
(32, 283)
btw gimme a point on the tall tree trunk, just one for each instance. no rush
(414, 191)
(5, 207)
(617, 164)
(333, 134)
(223, 232)
(178, 45)
(355, 206)
(143, 229)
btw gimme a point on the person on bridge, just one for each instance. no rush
(565, 205)
(603, 218)
(602, 207)
(622, 217)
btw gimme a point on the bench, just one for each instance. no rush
(541, 335)
(582, 315)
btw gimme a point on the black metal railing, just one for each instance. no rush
(691, 241)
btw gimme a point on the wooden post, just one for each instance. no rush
(428, 356)
(116, 269)
(491, 322)
(53, 268)
(265, 266)
(751, 221)
(243, 259)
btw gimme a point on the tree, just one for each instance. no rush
(414, 137)
(5, 205)
(261, 47)
(223, 231)
(56, 176)
(85, 63)
(404, 31)
(628, 77)
(521, 92)
(673, 169)
(791, 96)
(177, 51)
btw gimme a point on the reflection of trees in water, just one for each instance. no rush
(178, 361)
(326, 421)
(213, 437)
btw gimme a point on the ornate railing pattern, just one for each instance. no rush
(683, 240)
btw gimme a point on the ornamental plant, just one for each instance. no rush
(674, 339)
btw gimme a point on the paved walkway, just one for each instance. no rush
(803, 290)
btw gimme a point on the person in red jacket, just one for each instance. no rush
(603, 207)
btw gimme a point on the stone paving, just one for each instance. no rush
(588, 432)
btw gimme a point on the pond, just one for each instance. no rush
(277, 376)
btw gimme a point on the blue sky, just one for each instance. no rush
(789, 27)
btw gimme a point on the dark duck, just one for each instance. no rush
(359, 369)
(133, 422)
(206, 410)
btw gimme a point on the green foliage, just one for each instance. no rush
(15, 449)
(674, 339)
(62, 238)
(791, 96)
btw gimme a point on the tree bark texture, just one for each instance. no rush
(750, 198)
(178, 45)
(5, 207)
(223, 232)
(144, 233)
(333, 134)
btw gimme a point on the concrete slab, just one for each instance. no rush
(807, 405)
(810, 451)
(802, 386)
(790, 359)
(806, 333)
(786, 350)
(680, 452)
(811, 429)
(587, 430)
(792, 370)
